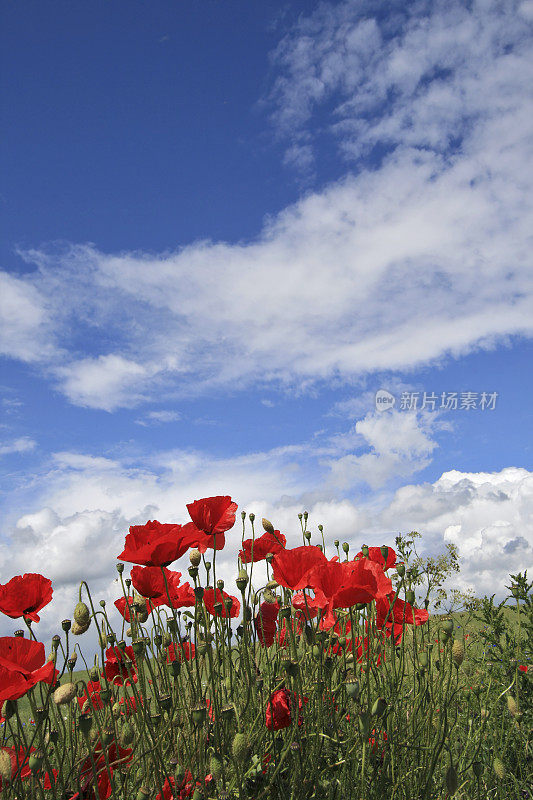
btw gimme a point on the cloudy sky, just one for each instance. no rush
(226, 227)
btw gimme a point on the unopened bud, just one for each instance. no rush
(512, 705)
(451, 780)
(458, 652)
(77, 629)
(499, 768)
(267, 525)
(5, 766)
(65, 694)
(195, 557)
(240, 748)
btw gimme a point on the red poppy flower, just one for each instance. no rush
(401, 613)
(178, 652)
(120, 664)
(307, 606)
(211, 518)
(22, 665)
(283, 633)
(522, 667)
(212, 597)
(375, 555)
(91, 698)
(343, 584)
(261, 547)
(265, 622)
(24, 595)
(117, 757)
(149, 581)
(279, 709)
(291, 567)
(155, 544)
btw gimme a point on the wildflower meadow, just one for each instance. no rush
(330, 678)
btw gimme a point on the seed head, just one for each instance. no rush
(458, 652)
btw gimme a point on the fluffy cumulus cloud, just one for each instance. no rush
(422, 250)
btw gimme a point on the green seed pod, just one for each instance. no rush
(458, 652)
(400, 569)
(85, 722)
(352, 688)
(66, 625)
(423, 659)
(107, 736)
(477, 769)
(267, 525)
(346, 547)
(447, 626)
(242, 580)
(198, 713)
(317, 651)
(365, 551)
(240, 748)
(309, 634)
(364, 724)
(384, 552)
(143, 793)
(451, 780)
(410, 597)
(498, 768)
(65, 694)
(5, 766)
(127, 734)
(379, 707)
(175, 667)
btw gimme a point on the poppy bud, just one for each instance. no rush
(365, 551)
(215, 767)
(364, 724)
(345, 547)
(336, 543)
(300, 516)
(77, 629)
(400, 569)
(384, 552)
(447, 626)
(240, 748)
(498, 768)
(9, 708)
(477, 769)
(81, 614)
(85, 722)
(307, 535)
(5, 766)
(309, 634)
(451, 780)
(103, 640)
(251, 516)
(267, 526)
(410, 597)
(65, 694)
(458, 652)
(512, 706)
(379, 707)
(423, 660)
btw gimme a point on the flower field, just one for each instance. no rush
(328, 679)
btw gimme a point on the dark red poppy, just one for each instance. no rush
(117, 757)
(284, 631)
(375, 554)
(150, 581)
(179, 652)
(211, 518)
(212, 597)
(19, 759)
(308, 606)
(120, 664)
(290, 567)
(279, 709)
(91, 698)
(155, 544)
(22, 665)
(265, 622)
(24, 595)
(258, 549)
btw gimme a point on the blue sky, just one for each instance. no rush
(225, 226)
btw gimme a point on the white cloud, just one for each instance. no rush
(24, 320)
(159, 418)
(22, 445)
(411, 259)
